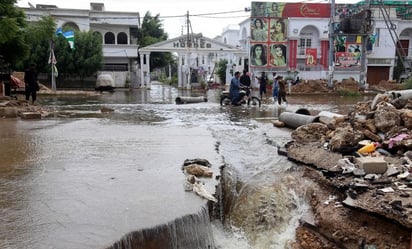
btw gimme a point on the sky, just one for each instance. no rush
(221, 13)
(172, 12)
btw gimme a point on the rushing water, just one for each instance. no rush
(84, 179)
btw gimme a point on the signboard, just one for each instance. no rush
(346, 60)
(269, 45)
(311, 56)
(285, 10)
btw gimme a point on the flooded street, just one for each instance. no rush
(81, 178)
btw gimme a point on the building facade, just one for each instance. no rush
(295, 39)
(118, 31)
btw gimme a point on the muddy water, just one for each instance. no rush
(83, 179)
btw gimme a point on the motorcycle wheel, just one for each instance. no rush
(255, 101)
(225, 100)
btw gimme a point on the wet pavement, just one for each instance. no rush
(80, 178)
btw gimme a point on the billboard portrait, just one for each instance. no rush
(278, 30)
(258, 55)
(277, 56)
(258, 9)
(274, 9)
(258, 29)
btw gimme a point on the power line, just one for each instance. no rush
(206, 14)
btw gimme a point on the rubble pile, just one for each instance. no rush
(194, 168)
(321, 86)
(311, 86)
(363, 162)
(12, 108)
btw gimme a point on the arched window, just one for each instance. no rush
(308, 38)
(122, 38)
(109, 38)
(70, 26)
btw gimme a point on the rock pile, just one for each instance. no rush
(351, 85)
(363, 160)
(12, 108)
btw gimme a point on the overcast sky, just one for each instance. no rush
(209, 26)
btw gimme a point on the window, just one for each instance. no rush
(116, 67)
(122, 38)
(304, 44)
(109, 38)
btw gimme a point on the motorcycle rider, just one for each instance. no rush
(235, 89)
(245, 81)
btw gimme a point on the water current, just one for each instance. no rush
(80, 178)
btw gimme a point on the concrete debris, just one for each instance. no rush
(199, 189)
(194, 168)
(198, 170)
(372, 165)
(375, 180)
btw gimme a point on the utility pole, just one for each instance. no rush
(188, 44)
(364, 66)
(331, 46)
(187, 30)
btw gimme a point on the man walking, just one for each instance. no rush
(235, 89)
(31, 83)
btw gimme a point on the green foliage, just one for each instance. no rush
(221, 70)
(407, 84)
(150, 33)
(38, 36)
(88, 55)
(398, 69)
(12, 24)
(348, 93)
(83, 61)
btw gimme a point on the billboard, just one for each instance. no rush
(269, 46)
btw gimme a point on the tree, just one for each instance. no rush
(150, 33)
(221, 70)
(12, 24)
(38, 35)
(88, 54)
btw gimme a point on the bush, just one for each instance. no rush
(348, 93)
(407, 84)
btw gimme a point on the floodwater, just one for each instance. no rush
(80, 178)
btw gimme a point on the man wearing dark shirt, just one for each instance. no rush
(31, 83)
(245, 79)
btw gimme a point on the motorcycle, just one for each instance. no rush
(245, 98)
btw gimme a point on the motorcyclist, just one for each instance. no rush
(245, 81)
(235, 89)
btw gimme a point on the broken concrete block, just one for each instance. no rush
(278, 123)
(372, 165)
(8, 112)
(30, 115)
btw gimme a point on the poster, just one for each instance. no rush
(311, 56)
(346, 60)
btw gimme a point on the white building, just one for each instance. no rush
(306, 46)
(118, 31)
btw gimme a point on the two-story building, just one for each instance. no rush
(118, 31)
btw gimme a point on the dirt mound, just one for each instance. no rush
(347, 85)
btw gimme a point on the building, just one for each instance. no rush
(382, 36)
(197, 57)
(118, 31)
(311, 44)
